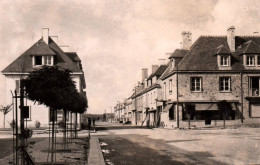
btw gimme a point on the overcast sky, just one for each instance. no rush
(115, 39)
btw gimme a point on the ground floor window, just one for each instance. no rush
(205, 112)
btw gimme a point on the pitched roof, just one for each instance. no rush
(201, 57)
(24, 62)
(223, 50)
(178, 53)
(73, 56)
(158, 72)
(251, 47)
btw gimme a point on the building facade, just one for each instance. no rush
(44, 52)
(214, 69)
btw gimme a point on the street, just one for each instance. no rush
(162, 146)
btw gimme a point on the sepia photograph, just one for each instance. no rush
(130, 82)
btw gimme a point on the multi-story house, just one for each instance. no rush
(151, 94)
(44, 52)
(213, 69)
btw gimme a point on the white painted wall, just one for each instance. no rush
(38, 112)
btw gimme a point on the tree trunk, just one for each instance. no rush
(52, 132)
(76, 124)
(65, 125)
(4, 121)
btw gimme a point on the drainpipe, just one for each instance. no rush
(177, 81)
(242, 98)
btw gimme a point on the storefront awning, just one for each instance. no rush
(210, 106)
(167, 107)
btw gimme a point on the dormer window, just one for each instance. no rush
(173, 63)
(42, 60)
(250, 60)
(38, 60)
(224, 61)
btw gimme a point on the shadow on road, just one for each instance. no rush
(138, 150)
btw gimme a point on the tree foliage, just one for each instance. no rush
(54, 87)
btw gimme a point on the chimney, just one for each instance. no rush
(55, 39)
(186, 40)
(231, 38)
(162, 61)
(154, 68)
(45, 35)
(144, 74)
(65, 48)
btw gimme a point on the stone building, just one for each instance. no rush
(213, 69)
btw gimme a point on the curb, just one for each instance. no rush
(95, 153)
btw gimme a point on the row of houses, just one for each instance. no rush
(201, 74)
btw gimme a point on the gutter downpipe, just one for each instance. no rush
(242, 99)
(177, 81)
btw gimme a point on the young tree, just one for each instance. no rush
(5, 111)
(224, 108)
(53, 87)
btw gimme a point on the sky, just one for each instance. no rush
(115, 39)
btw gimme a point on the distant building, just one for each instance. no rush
(44, 52)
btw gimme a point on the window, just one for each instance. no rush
(164, 89)
(170, 87)
(224, 61)
(173, 64)
(258, 60)
(38, 60)
(47, 60)
(250, 60)
(196, 84)
(224, 84)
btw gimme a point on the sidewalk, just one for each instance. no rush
(95, 153)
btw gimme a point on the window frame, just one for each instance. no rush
(222, 84)
(170, 86)
(253, 60)
(35, 59)
(224, 60)
(195, 82)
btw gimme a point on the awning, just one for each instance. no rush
(167, 108)
(210, 106)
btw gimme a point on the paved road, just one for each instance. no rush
(161, 146)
